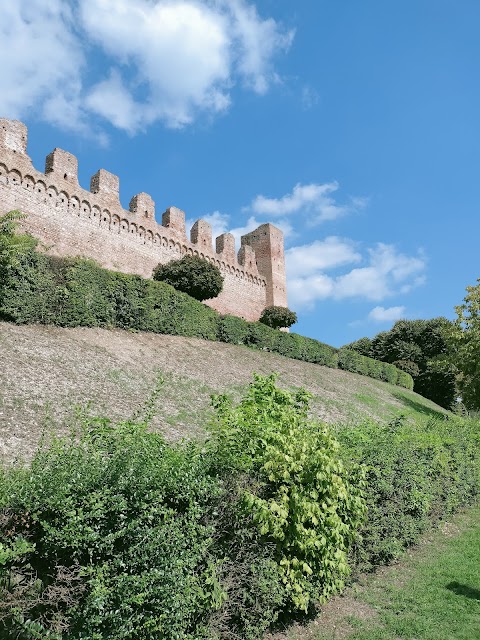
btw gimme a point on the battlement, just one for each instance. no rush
(72, 221)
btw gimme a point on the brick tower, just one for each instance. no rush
(267, 243)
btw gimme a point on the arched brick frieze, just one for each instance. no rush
(14, 177)
(124, 225)
(115, 223)
(105, 218)
(96, 213)
(75, 206)
(62, 200)
(52, 195)
(40, 188)
(28, 183)
(86, 209)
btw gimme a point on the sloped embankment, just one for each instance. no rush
(46, 371)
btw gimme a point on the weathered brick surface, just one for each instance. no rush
(70, 221)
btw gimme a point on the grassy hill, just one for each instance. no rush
(47, 371)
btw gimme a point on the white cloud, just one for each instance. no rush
(258, 40)
(132, 62)
(320, 255)
(389, 314)
(386, 273)
(313, 199)
(42, 59)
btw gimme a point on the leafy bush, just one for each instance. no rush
(302, 499)
(233, 329)
(351, 360)
(128, 519)
(416, 473)
(113, 533)
(196, 276)
(278, 317)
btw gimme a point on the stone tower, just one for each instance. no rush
(267, 244)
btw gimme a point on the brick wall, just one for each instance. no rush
(70, 221)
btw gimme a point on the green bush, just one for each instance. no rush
(118, 526)
(233, 329)
(318, 352)
(113, 533)
(392, 375)
(278, 317)
(416, 473)
(303, 500)
(196, 276)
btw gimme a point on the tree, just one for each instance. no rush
(463, 338)
(193, 275)
(278, 317)
(420, 348)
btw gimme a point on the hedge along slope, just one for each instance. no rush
(77, 292)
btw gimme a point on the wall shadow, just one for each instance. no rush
(410, 403)
(463, 590)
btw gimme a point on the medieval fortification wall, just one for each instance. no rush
(71, 221)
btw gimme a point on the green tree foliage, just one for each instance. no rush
(418, 347)
(278, 317)
(463, 337)
(196, 276)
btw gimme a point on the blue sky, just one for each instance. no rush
(353, 125)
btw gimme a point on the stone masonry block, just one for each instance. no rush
(143, 206)
(62, 165)
(201, 235)
(174, 219)
(104, 182)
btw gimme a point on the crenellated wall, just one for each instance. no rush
(70, 221)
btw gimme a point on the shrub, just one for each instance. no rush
(278, 317)
(233, 329)
(196, 276)
(295, 471)
(417, 473)
(128, 520)
(113, 533)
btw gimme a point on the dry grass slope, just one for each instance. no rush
(46, 371)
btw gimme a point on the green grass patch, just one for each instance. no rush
(434, 592)
(366, 399)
